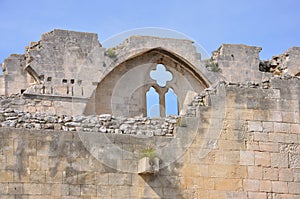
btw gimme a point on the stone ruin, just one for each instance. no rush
(74, 121)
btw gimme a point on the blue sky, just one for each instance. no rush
(273, 25)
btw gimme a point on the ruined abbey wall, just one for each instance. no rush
(237, 134)
(255, 156)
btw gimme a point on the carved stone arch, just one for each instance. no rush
(199, 72)
(122, 90)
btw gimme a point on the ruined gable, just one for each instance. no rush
(74, 123)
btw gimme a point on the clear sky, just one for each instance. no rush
(271, 24)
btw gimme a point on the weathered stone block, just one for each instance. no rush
(227, 171)
(270, 173)
(34, 163)
(279, 187)
(60, 190)
(70, 176)
(255, 126)
(3, 188)
(228, 184)
(282, 127)
(261, 136)
(294, 187)
(15, 188)
(195, 170)
(286, 174)
(268, 147)
(250, 185)
(32, 188)
(37, 176)
(257, 195)
(279, 160)
(295, 128)
(74, 190)
(289, 117)
(6, 176)
(46, 189)
(265, 185)
(89, 190)
(260, 115)
(262, 158)
(294, 160)
(54, 176)
(230, 144)
(254, 172)
(121, 191)
(227, 157)
(274, 116)
(119, 179)
(101, 178)
(246, 157)
(283, 137)
(268, 126)
(104, 190)
(296, 175)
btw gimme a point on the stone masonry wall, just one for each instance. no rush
(104, 123)
(256, 153)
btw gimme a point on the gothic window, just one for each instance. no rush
(161, 75)
(171, 103)
(152, 100)
(161, 99)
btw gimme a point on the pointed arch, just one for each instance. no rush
(133, 71)
(171, 103)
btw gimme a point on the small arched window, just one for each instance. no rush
(171, 103)
(161, 100)
(153, 106)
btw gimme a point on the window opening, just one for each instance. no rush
(171, 103)
(161, 75)
(152, 101)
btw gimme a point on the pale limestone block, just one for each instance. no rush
(270, 173)
(268, 146)
(262, 158)
(265, 186)
(281, 127)
(286, 174)
(246, 158)
(255, 172)
(257, 195)
(228, 184)
(279, 160)
(255, 126)
(279, 187)
(294, 187)
(250, 185)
